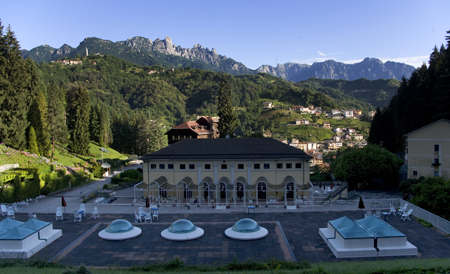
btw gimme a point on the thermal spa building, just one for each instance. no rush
(226, 171)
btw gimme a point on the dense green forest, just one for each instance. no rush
(375, 92)
(129, 107)
(420, 100)
(176, 95)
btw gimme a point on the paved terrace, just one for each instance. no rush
(293, 234)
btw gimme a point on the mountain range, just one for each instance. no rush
(145, 52)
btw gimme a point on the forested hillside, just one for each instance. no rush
(375, 92)
(420, 100)
(176, 95)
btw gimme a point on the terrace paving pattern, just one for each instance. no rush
(293, 236)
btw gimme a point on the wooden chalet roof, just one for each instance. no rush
(228, 149)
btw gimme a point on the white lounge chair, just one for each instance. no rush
(402, 209)
(77, 217)
(31, 216)
(406, 215)
(95, 213)
(59, 214)
(4, 210)
(392, 209)
(368, 213)
(11, 213)
(141, 211)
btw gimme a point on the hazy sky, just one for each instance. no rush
(252, 32)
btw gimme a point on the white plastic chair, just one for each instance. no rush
(95, 213)
(148, 217)
(137, 218)
(378, 214)
(59, 214)
(77, 217)
(391, 209)
(368, 213)
(32, 216)
(11, 213)
(155, 215)
(82, 210)
(141, 211)
(406, 215)
(4, 210)
(403, 209)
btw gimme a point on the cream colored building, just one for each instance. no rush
(428, 150)
(226, 171)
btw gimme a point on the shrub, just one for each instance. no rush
(97, 170)
(105, 186)
(130, 173)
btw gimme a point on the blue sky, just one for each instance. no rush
(252, 32)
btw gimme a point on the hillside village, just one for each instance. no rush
(349, 137)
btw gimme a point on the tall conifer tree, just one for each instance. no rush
(18, 80)
(228, 121)
(32, 144)
(37, 115)
(79, 133)
(56, 118)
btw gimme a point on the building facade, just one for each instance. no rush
(227, 171)
(428, 150)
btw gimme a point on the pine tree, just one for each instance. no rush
(228, 121)
(79, 133)
(56, 118)
(18, 80)
(94, 125)
(37, 116)
(32, 144)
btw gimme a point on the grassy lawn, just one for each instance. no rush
(378, 266)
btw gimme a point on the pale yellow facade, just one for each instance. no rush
(243, 179)
(428, 151)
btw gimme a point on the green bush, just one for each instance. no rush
(97, 170)
(130, 173)
(105, 186)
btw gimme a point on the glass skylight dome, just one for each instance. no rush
(246, 226)
(182, 226)
(119, 226)
(246, 229)
(119, 230)
(182, 230)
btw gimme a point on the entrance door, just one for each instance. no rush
(262, 194)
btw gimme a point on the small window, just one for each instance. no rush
(436, 173)
(240, 166)
(191, 166)
(223, 166)
(169, 166)
(288, 165)
(436, 160)
(298, 165)
(207, 166)
(182, 166)
(436, 148)
(256, 166)
(279, 165)
(152, 166)
(266, 166)
(162, 166)
(414, 172)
